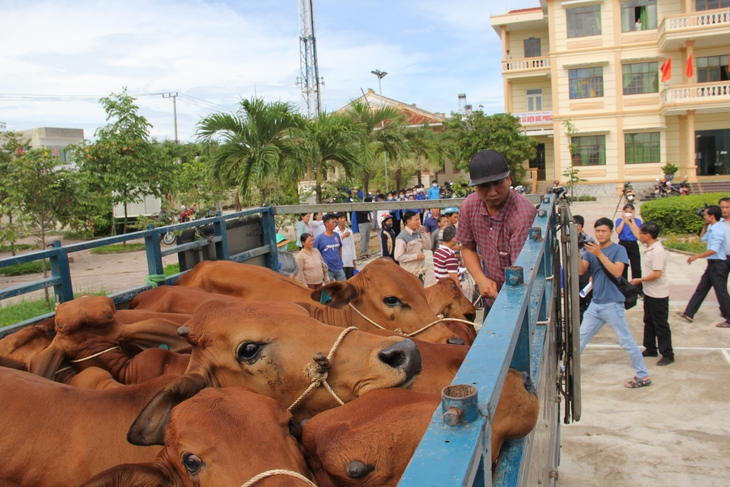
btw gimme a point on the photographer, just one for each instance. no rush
(584, 279)
(627, 228)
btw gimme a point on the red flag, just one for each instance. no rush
(666, 70)
(689, 71)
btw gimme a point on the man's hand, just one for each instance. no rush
(594, 249)
(421, 257)
(691, 259)
(487, 287)
(636, 281)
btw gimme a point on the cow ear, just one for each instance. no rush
(149, 427)
(47, 362)
(341, 292)
(130, 474)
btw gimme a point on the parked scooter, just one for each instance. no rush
(682, 188)
(662, 188)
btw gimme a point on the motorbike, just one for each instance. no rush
(682, 188)
(562, 192)
(662, 188)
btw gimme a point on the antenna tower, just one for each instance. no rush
(309, 79)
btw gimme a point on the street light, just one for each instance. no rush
(382, 74)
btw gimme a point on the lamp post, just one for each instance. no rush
(382, 74)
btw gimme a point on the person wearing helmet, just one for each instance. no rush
(185, 215)
(494, 219)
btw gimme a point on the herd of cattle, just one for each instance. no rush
(239, 376)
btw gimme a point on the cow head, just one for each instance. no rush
(445, 298)
(25, 343)
(369, 441)
(207, 440)
(390, 296)
(272, 349)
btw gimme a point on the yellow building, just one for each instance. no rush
(604, 66)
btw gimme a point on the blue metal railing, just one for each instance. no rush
(516, 333)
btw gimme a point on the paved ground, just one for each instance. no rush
(675, 432)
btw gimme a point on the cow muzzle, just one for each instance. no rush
(403, 357)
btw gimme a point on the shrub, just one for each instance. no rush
(33, 267)
(678, 214)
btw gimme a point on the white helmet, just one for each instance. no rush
(183, 207)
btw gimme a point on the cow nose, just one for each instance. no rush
(404, 356)
(357, 469)
(455, 341)
(471, 316)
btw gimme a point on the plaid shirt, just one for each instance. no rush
(499, 238)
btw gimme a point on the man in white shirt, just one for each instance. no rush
(656, 296)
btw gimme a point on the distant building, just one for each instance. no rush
(54, 139)
(604, 66)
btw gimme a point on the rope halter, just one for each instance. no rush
(318, 371)
(279, 471)
(413, 333)
(93, 356)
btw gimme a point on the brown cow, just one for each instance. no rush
(381, 292)
(369, 441)
(25, 343)
(220, 437)
(89, 335)
(445, 298)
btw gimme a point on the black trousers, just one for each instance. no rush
(632, 248)
(656, 326)
(715, 277)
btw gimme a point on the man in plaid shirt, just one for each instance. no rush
(494, 223)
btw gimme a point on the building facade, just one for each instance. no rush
(54, 139)
(618, 88)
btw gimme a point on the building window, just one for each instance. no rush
(638, 15)
(712, 68)
(641, 78)
(589, 150)
(586, 82)
(532, 47)
(711, 4)
(642, 148)
(534, 100)
(584, 21)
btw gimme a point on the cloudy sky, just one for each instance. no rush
(58, 57)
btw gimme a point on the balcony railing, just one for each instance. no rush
(679, 22)
(526, 64)
(697, 92)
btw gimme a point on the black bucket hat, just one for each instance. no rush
(487, 166)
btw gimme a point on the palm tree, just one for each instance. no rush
(323, 143)
(252, 143)
(424, 147)
(378, 131)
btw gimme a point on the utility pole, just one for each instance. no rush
(174, 109)
(382, 74)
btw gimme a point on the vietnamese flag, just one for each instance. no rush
(689, 71)
(666, 70)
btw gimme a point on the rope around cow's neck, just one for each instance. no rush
(413, 333)
(319, 374)
(93, 356)
(279, 471)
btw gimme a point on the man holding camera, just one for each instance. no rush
(607, 305)
(715, 275)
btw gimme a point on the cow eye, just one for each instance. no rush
(249, 351)
(392, 301)
(192, 462)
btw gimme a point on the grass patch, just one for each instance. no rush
(686, 243)
(6, 248)
(25, 268)
(118, 248)
(171, 269)
(25, 310)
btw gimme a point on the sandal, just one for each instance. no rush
(724, 324)
(638, 382)
(682, 315)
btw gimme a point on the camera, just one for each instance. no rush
(582, 239)
(701, 211)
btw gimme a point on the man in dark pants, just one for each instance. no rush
(627, 228)
(656, 296)
(715, 275)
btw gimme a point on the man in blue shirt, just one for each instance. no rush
(330, 246)
(433, 191)
(607, 305)
(715, 275)
(627, 228)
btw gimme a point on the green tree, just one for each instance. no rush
(378, 131)
(424, 148)
(124, 155)
(248, 148)
(10, 227)
(467, 135)
(322, 144)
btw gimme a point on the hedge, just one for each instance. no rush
(678, 214)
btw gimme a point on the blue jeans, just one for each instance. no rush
(336, 275)
(598, 315)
